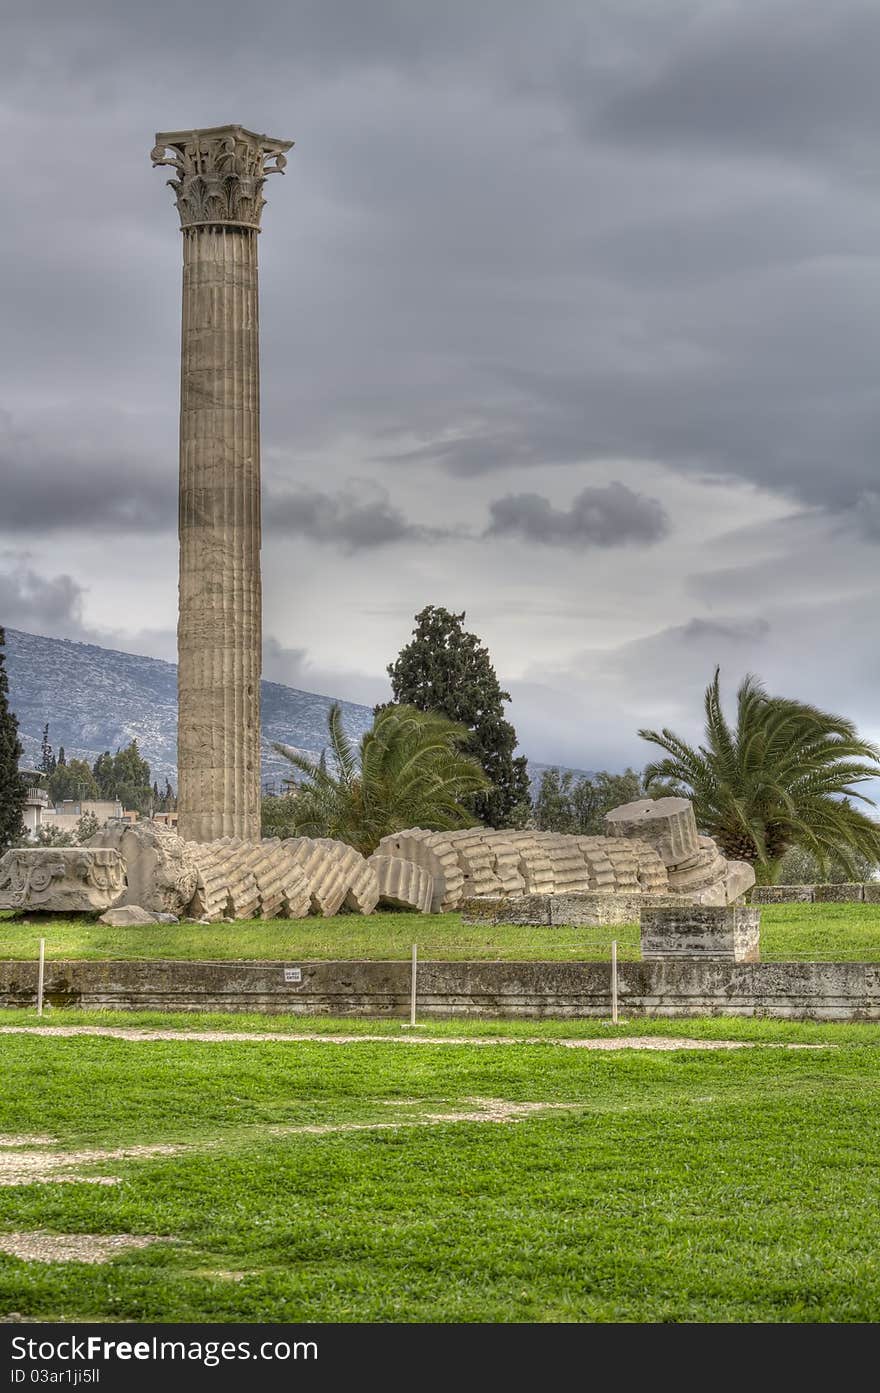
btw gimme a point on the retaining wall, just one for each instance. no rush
(851, 892)
(809, 991)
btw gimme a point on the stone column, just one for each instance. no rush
(218, 190)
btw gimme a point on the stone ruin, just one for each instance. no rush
(650, 849)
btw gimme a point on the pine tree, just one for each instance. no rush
(62, 758)
(444, 668)
(12, 787)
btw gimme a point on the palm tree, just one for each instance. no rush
(782, 777)
(409, 771)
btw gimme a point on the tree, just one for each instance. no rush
(801, 867)
(446, 669)
(279, 815)
(781, 777)
(12, 786)
(62, 758)
(87, 826)
(72, 780)
(409, 771)
(47, 759)
(566, 804)
(125, 776)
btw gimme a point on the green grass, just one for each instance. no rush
(828, 933)
(676, 1187)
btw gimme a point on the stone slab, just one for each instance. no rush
(730, 933)
(782, 894)
(61, 879)
(848, 893)
(668, 988)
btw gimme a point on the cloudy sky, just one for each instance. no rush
(571, 320)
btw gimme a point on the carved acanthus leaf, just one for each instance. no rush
(220, 173)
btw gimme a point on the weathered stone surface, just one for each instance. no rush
(525, 909)
(362, 886)
(567, 862)
(596, 909)
(212, 888)
(534, 865)
(871, 892)
(730, 933)
(782, 894)
(62, 879)
(476, 862)
(324, 871)
(666, 823)
(847, 893)
(403, 883)
(437, 857)
(160, 870)
(600, 870)
(707, 868)
(220, 176)
(739, 880)
(667, 988)
(129, 916)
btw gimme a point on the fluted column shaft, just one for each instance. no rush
(218, 188)
(220, 619)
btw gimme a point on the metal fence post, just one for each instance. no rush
(41, 976)
(614, 981)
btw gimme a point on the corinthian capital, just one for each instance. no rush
(220, 173)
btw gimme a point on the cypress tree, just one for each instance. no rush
(47, 758)
(12, 787)
(444, 668)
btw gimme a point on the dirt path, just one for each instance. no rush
(211, 1037)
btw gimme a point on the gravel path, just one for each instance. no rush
(39, 1246)
(245, 1037)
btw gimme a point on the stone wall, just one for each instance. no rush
(800, 991)
(848, 893)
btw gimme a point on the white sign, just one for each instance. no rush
(293, 974)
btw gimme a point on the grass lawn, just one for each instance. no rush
(694, 1186)
(825, 932)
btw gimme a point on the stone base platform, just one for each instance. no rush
(492, 991)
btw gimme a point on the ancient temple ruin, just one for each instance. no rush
(218, 188)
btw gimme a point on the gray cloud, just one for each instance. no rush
(38, 603)
(602, 517)
(796, 79)
(359, 517)
(53, 483)
(516, 247)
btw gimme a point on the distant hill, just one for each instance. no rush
(99, 699)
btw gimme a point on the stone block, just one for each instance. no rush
(872, 891)
(595, 909)
(666, 823)
(848, 893)
(403, 883)
(739, 880)
(160, 870)
(728, 933)
(61, 879)
(488, 909)
(525, 909)
(782, 894)
(130, 916)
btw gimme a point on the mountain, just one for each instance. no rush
(98, 699)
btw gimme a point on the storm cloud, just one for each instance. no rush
(602, 517)
(577, 277)
(359, 517)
